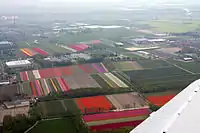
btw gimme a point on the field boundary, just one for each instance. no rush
(32, 127)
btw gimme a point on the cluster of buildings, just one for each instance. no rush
(6, 47)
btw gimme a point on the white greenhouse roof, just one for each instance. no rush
(180, 115)
(18, 63)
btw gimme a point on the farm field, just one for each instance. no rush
(33, 51)
(8, 92)
(44, 87)
(155, 73)
(56, 108)
(160, 100)
(127, 100)
(173, 27)
(160, 79)
(63, 71)
(94, 104)
(165, 83)
(116, 120)
(81, 81)
(148, 64)
(59, 126)
(191, 66)
(168, 92)
(127, 66)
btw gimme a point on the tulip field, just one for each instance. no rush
(42, 82)
(92, 68)
(33, 51)
(78, 47)
(160, 100)
(43, 87)
(110, 102)
(116, 119)
(101, 112)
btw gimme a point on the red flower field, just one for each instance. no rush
(160, 100)
(93, 104)
(40, 51)
(66, 70)
(115, 125)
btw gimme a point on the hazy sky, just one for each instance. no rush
(49, 2)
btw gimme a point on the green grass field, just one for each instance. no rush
(169, 26)
(55, 126)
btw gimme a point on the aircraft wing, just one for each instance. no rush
(180, 115)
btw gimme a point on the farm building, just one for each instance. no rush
(156, 40)
(140, 40)
(119, 44)
(4, 83)
(187, 59)
(18, 63)
(18, 103)
(143, 52)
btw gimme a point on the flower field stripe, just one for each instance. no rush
(33, 89)
(50, 85)
(116, 125)
(27, 88)
(28, 51)
(101, 76)
(116, 80)
(54, 86)
(110, 121)
(48, 89)
(64, 88)
(38, 88)
(61, 84)
(104, 67)
(65, 84)
(26, 75)
(115, 115)
(57, 85)
(43, 87)
(36, 74)
(109, 81)
(99, 69)
(25, 52)
(21, 76)
(68, 48)
(40, 51)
